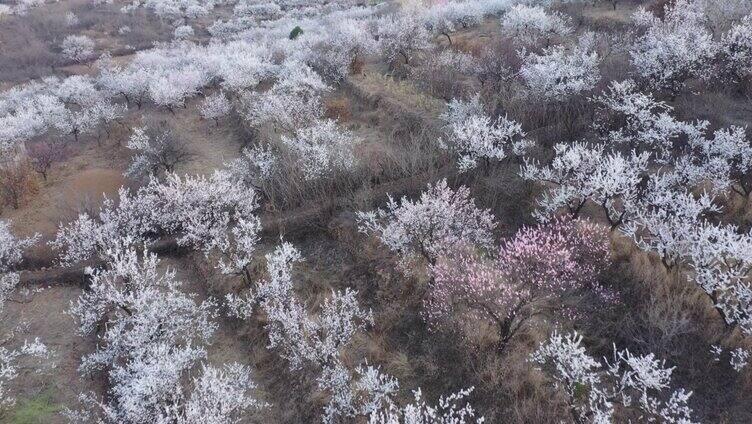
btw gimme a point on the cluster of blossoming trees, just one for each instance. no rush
(11, 357)
(642, 175)
(647, 193)
(71, 107)
(156, 333)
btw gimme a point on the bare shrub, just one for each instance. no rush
(25, 54)
(43, 154)
(17, 182)
(448, 75)
(356, 66)
(157, 149)
(552, 120)
(338, 108)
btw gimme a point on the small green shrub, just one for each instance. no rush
(295, 33)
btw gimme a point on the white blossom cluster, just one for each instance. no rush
(440, 219)
(154, 336)
(319, 147)
(648, 125)
(401, 36)
(307, 339)
(686, 44)
(528, 25)
(177, 11)
(168, 75)
(645, 123)
(322, 149)
(334, 51)
(152, 153)
(582, 173)
(647, 193)
(78, 48)
(473, 136)
(21, 7)
(448, 410)
(559, 73)
(594, 389)
(215, 107)
(738, 358)
(11, 251)
(737, 48)
(73, 106)
(215, 215)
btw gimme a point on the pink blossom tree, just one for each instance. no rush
(538, 270)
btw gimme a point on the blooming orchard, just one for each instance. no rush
(635, 159)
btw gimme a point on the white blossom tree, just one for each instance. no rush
(218, 396)
(528, 25)
(636, 383)
(242, 65)
(638, 120)
(674, 48)
(155, 152)
(580, 173)
(665, 220)
(153, 337)
(257, 164)
(737, 49)
(293, 102)
(78, 48)
(11, 255)
(183, 32)
(304, 339)
(341, 46)
(402, 35)
(202, 212)
(170, 88)
(558, 74)
(259, 11)
(474, 136)
(724, 161)
(79, 90)
(721, 261)
(430, 226)
(215, 107)
(322, 149)
(132, 84)
(91, 236)
(71, 19)
(439, 19)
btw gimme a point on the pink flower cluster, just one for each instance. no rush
(540, 263)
